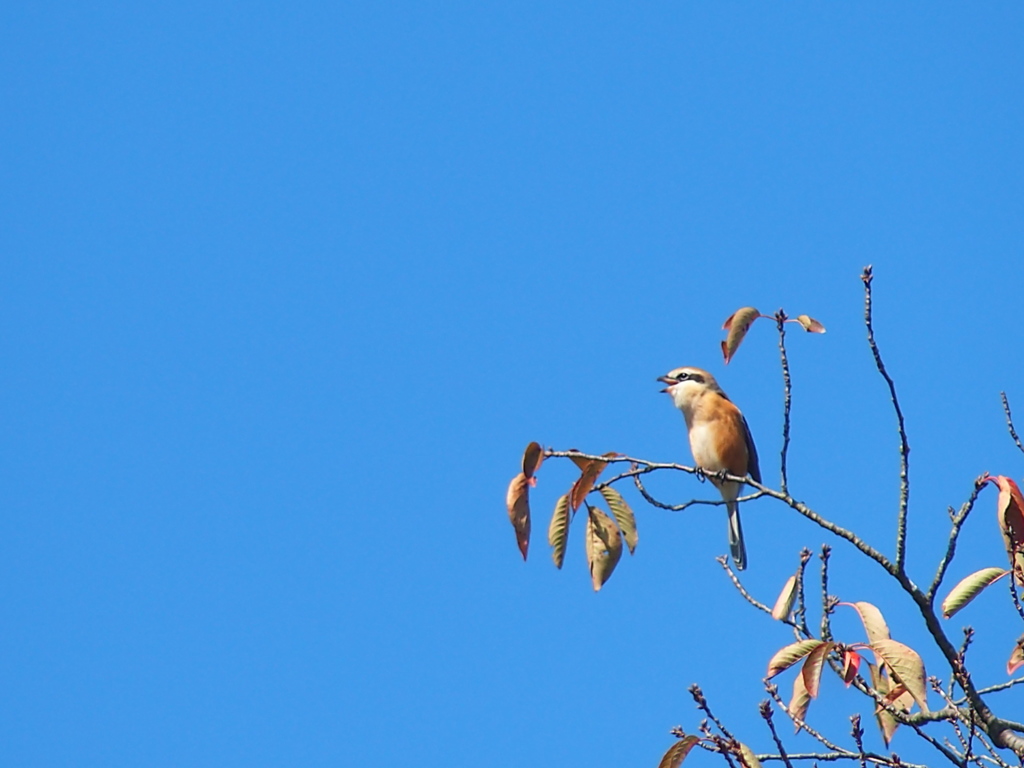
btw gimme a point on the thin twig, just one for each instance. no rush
(858, 738)
(766, 713)
(801, 611)
(839, 752)
(901, 522)
(780, 322)
(703, 706)
(1013, 594)
(1009, 421)
(958, 519)
(826, 602)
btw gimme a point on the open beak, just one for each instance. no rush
(666, 380)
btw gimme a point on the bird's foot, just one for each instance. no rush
(720, 475)
(700, 473)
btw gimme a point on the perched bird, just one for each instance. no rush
(719, 440)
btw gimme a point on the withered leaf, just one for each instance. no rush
(737, 325)
(678, 752)
(906, 666)
(1016, 660)
(532, 458)
(1010, 511)
(604, 546)
(811, 671)
(784, 603)
(586, 481)
(786, 657)
(558, 530)
(969, 588)
(809, 324)
(623, 516)
(518, 502)
(579, 461)
(886, 722)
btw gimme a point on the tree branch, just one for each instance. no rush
(780, 322)
(1009, 421)
(901, 521)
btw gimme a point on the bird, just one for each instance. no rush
(720, 441)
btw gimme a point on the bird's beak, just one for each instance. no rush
(666, 380)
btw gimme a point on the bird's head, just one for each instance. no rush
(686, 384)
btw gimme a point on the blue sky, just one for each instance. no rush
(287, 288)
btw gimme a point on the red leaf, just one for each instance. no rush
(851, 663)
(518, 502)
(1016, 660)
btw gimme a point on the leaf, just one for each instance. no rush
(558, 530)
(1010, 512)
(871, 617)
(586, 481)
(790, 655)
(623, 516)
(851, 663)
(969, 588)
(811, 671)
(748, 758)
(580, 462)
(801, 701)
(532, 458)
(784, 603)
(906, 666)
(1016, 660)
(604, 546)
(518, 502)
(886, 722)
(810, 324)
(678, 752)
(737, 325)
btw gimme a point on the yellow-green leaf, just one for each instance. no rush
(811, 671)
(604, 546)
(799, 703)
(518, 502)
(678, 752)
(906, 666)
(748, 758)
(558, 530)
(784, 603)
(871, 617)
(623, 516)
(737, 325)
(790, 655)
(969, 588)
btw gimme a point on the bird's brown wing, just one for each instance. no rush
(753, 468)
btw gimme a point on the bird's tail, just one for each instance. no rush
(736, 548)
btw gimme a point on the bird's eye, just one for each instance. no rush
(682, 376)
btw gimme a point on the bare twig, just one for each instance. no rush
(858, 738)
(703, 706)
(826, 601)
(901, 522)
(1009, 421)
(1013, 594)
(958, 519)
(780, 322)
(801, 611)
(766, 713)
